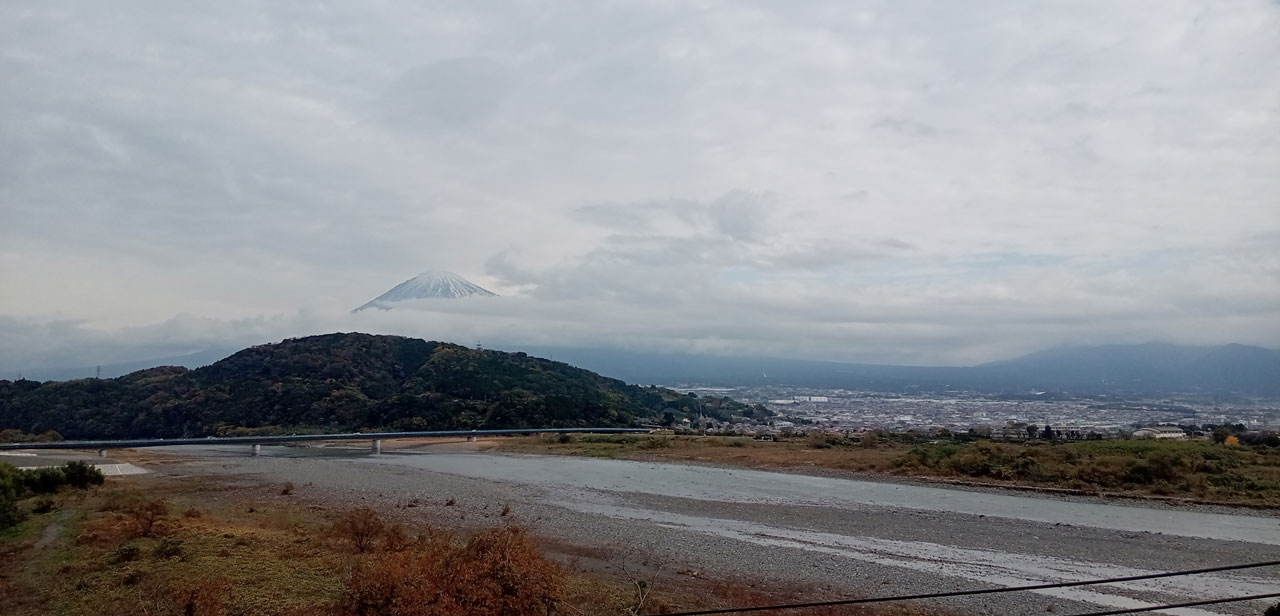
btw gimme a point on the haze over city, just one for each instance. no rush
(901, 183)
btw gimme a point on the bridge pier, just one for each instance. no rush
(376, 448)
(257, 450)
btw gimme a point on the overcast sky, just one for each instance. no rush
(897, 181)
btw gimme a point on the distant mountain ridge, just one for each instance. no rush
(1146, 369)
(1153, 368)
(430, 284)
(113, 370)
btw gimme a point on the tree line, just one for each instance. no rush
(343, 382)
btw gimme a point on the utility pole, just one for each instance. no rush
(97, 374)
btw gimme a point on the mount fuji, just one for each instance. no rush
(428, 285)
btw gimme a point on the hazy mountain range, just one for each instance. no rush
(1152, 368)
(1122, 369)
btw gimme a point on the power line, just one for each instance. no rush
(1135, 610)
(983, 591)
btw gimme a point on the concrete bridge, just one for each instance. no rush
(255, 443)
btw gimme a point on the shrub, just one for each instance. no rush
(497, 572)
(10, 514)
(10, 488)
(145, 516)
(395, 539)
(1106, 471)
(81, 475)
(168, 548)
(45, 480)
(654, 442)
(286, 489)
(360, 528)
(131, 576)
(123, 554)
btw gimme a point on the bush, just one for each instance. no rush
(147, 514)
(81, 475)
(395, 539)
(654, 442)
(359, 528)
(1106, 471)
(123, 554)
(10, 490)
(16, 483)
(45, 480)
(498, 572)
(168, 548)
(10, 514)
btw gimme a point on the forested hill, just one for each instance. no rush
(344, 382)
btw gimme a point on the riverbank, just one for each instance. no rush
(1170, 473)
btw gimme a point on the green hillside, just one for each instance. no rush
(344, 382)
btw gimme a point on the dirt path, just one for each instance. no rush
(52, 532)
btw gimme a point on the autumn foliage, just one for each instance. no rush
(497, 572)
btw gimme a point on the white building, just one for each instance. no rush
(1160, 432)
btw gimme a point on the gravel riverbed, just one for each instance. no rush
(842, 537)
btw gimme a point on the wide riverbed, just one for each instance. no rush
(846, 536)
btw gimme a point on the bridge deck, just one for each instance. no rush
(275, 440)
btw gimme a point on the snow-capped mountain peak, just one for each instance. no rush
(428, 285)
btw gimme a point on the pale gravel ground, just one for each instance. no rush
(659, 523)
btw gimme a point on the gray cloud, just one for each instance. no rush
(446, 96)
(876, 180)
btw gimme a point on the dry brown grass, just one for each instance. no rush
(497, 572)
(732, 451)
(1170, 470)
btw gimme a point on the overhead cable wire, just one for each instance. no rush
(1170, 606)
(986, 591)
